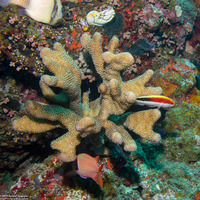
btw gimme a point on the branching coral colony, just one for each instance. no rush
(84, 119)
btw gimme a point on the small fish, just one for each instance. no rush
(88, 168)
(45, 11)
(159, 101)
(84, 24)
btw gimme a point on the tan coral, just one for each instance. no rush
(85, 119)
(32, 125)
(66, 76)
(92, 45)
(139, 123)
(45, 117)
(66, 144)
(117, 96)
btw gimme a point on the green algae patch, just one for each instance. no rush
(182, 133)
(183, 117)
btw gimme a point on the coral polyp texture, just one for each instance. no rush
(83, 118)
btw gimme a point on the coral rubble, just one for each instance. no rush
(90, 119)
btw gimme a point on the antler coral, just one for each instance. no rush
(83, 118)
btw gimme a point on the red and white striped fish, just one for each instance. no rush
(159, 101)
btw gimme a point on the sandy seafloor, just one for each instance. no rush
(162, 36)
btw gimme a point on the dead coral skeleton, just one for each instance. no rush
(81, 117)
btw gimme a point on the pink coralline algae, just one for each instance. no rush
(153, 16)
(177, 78)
